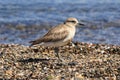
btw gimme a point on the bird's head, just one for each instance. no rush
(73, 21)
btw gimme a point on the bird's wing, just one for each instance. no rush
(55, 34)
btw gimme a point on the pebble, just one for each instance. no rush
(84, 61)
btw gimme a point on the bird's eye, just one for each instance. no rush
(72, 21)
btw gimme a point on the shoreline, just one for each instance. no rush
(84, 61)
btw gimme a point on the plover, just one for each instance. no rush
(59, 35)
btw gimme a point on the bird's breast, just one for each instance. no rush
(71, 33)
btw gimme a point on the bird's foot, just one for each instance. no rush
(73, 45)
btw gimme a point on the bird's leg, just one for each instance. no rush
(73, 45)
(57, 53)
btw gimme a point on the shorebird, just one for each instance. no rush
(59, 35)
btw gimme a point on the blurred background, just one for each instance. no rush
(24, 20)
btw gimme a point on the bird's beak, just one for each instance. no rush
(81, 23)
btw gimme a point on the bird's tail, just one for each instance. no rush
(33, 43)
